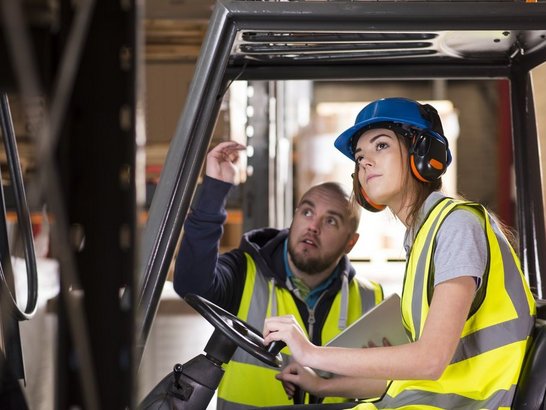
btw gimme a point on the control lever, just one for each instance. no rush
(299, 396)
(275, 347)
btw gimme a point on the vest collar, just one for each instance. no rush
(427, 206)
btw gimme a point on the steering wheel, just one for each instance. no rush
(238, 331)
(191, 386)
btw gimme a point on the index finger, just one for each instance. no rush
(229, 146)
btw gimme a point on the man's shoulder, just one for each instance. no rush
(263, 239)
(265, 247)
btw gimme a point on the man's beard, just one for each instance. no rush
(310, 265)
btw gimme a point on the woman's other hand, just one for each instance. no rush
(295, 375)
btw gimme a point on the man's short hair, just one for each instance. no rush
(353, 209)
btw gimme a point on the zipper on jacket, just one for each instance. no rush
(310, 323)
(311, 316)
(310, 312)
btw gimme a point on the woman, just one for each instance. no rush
(466, 306)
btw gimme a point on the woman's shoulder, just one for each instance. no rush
(463, 217)
(461, 246)
(464, 227)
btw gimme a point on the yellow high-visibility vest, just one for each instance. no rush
(485, 368)
(248, 382)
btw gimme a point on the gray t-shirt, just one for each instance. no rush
(461, 246)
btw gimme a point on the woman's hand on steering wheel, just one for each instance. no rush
(287, 329)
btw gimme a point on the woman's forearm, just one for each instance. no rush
(425, 359)
(355, 387)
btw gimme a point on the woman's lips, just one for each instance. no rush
(370, 177)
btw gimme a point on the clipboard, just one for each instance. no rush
(384, 321)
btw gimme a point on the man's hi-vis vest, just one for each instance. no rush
(247, 382)
(485, 368)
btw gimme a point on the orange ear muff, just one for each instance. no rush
(374, 207)
(415, 171)
(428, 157)
(362, 198)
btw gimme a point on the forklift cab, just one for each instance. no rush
(379, 41)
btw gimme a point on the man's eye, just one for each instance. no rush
(331, 221)
(307, 212)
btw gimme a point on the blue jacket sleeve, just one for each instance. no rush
(199, 267)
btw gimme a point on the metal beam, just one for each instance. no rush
(530, 210)
(181, 169)
(361, 71)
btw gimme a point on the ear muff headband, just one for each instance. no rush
(360, 195)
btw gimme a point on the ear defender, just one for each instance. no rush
(360, 195)
(428, 157)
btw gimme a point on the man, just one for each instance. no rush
(303, 271)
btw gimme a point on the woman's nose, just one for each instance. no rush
(366, 162)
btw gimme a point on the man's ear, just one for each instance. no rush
(351, 242)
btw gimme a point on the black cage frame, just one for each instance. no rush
(358, 40)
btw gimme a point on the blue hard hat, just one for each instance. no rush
(401, 112)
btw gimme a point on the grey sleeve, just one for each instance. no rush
(461, 248)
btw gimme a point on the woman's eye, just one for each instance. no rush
(381, 145)
(359, 159)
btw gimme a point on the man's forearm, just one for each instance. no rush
(198, 267)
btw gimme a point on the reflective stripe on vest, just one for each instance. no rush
(247, 381)
(485, 368)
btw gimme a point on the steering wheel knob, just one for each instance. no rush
(275, 347)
